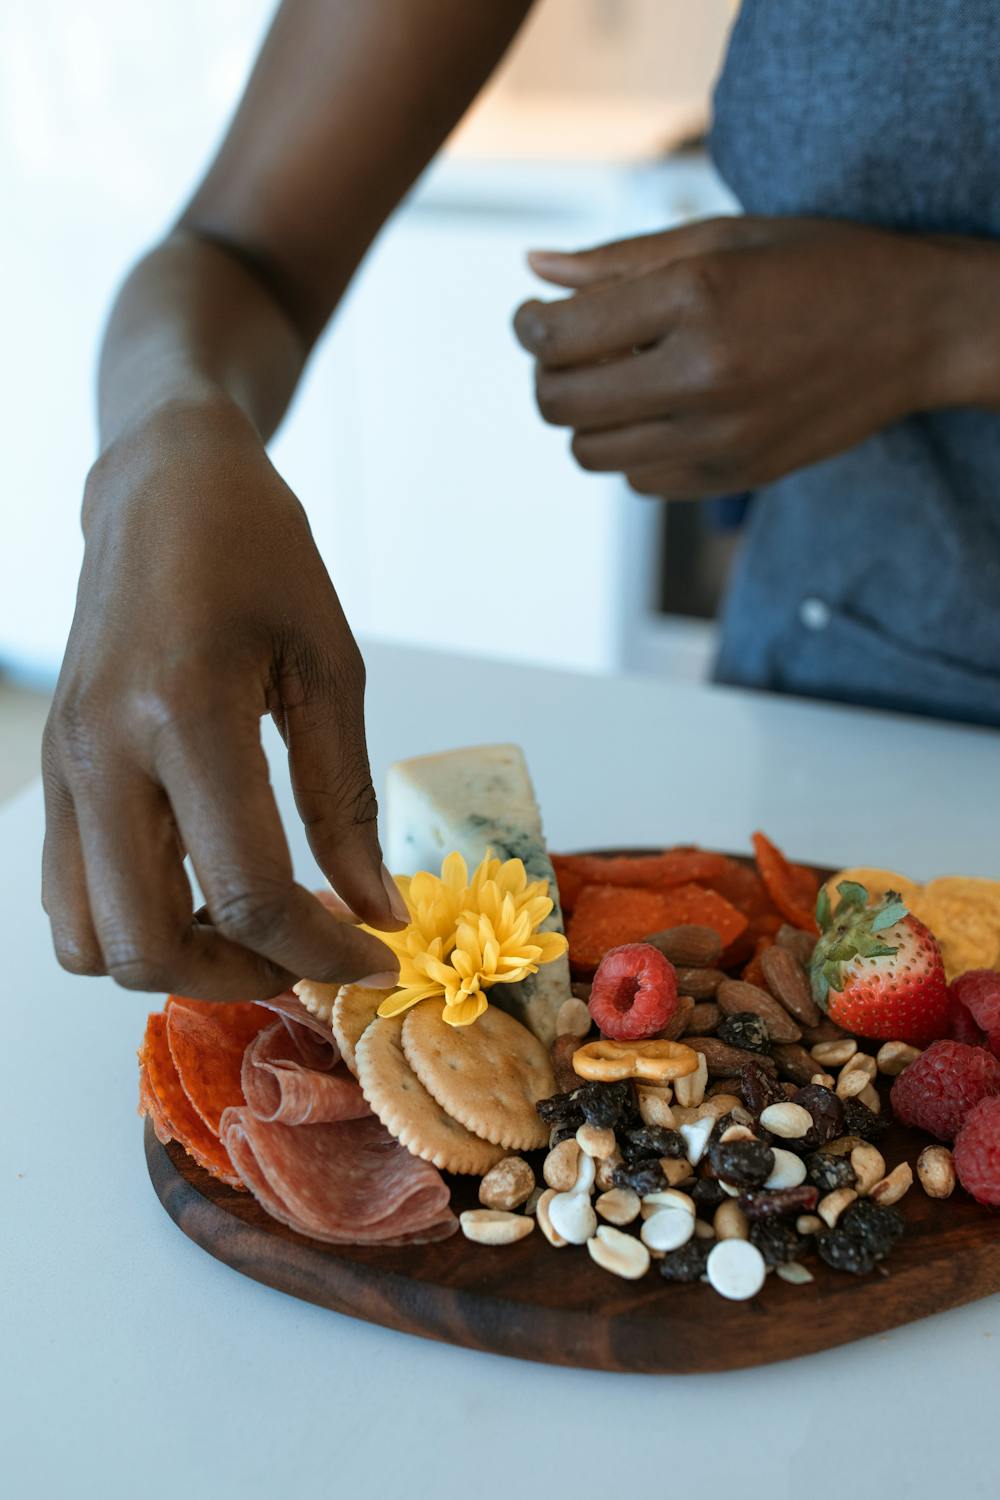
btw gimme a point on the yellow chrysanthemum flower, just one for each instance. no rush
(467, 935)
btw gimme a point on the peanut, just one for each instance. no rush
(596, 1141)
(605, 1171)
(893, 1057)
(835, 1054)
(808, 1223)
(790, 1121)
(869, 1167)
(561, 1166)
(895, 1186)
(832, 1206)
(936, 1171)
(730, 1222)
(870, 1096)
(619, 1206)
(856, 1076)
(545, 1223)
(823, 1080)
(507, 1185)
(654, 1105)
(488, 1226)
(621, 1254)
(690, 1090)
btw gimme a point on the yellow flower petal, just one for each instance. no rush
(395, 1004)
(465, 1012)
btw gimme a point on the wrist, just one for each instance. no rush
(190, 428)
(960, 309)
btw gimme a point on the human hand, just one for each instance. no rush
(719, 356)
(203, 604)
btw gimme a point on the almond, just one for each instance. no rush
(796, 941)
(678, 1023)
(794, 1062)
(703, 1019)
(788, 982)
(724, 1061)
(735, 997)
(688, 946)
(700, 984)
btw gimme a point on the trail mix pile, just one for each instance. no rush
(744, 1137)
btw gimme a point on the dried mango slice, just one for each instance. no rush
(791, 887)
(606, 916)
(653, 871)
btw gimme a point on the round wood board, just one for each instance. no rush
(533, 1302)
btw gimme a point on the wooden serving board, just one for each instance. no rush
(533, 1302)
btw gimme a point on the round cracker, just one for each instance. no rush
(876, 882)
(353, 1012)
(972, 890)
(488, 1075)
(966, 934)
(317, 998)
(407, 1110)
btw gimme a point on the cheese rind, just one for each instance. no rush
(472, 801)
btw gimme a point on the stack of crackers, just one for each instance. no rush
(962, 911)
(461, 1098)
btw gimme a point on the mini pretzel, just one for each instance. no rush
(657, 1061)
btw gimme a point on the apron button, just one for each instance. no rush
(814, 614)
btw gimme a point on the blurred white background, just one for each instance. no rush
(108, 113)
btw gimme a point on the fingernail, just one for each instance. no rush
(534, 255)
(387, 981)
(396, 903)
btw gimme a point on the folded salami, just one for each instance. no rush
(346, 1182)
(295, 1078)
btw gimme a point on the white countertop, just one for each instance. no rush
(132, 1364)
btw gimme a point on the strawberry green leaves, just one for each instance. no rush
(848, 932)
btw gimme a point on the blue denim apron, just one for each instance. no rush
(873, 577)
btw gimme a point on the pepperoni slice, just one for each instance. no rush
(207, 1042)
(162, 1097)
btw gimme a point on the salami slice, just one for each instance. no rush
(162, 1097)
(207, 1042)
(288, 1004)
(281, 1084)
(347, 1183)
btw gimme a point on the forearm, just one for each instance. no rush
(190, 325)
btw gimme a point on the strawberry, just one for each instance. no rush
(877, 970)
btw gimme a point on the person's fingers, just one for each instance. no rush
(324, 731)
(140, 900)
(215, 774)
(64, 883)
(617, 449)
(597, 324)
(619, 393)
(644, 252)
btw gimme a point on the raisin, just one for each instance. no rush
(742, 1163)
(873, 1226)
(758, 1089)
(865, 1233)
(686, 1264)
(772, 1203)
(830, 1172)
(561, 1109)
(827, 1113)
(707, 1192)
(652, 1140)
(642, 1176)
(860, 1120)
(777, 1242)
(843, 1253)
(744, 1030)
(603, 1104)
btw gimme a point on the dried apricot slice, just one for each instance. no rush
(791, 887)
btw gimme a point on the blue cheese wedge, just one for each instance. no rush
(474, 800)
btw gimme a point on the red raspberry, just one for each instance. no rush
(634, 993)
(936, 1092)
(977, 1152)
(961, 1026)
(979, 992)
